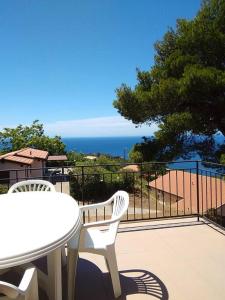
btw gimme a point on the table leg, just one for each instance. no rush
(72, 257)
(55, 275)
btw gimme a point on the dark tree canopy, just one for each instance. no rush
(184, 92)
(33, 136)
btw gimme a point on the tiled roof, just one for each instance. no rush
(183, 185)
(132, 168)
(33, 153)
(91, 157)
(7, 154)
(57, 157)
(25, 156)
(19, 159)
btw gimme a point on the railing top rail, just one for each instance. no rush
(117, 164)
(31, 169)
(212, 163)
(140, 164)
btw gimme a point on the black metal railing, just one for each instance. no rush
(156, 189)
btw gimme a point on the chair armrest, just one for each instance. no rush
(98, 205)
(85, 208)
(100, 223)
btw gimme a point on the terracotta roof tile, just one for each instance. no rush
(133, 168)
(33, 153)
(8, 154)
(19, 159)
(25, 155)
(183, 185)
(57, 157)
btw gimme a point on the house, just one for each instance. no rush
(131, 168)
(91, 157)
(23, 164)
(181, 190)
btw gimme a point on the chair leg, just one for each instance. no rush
(72, 258)
(106, 262)
(63, 256)
(32, 293)
(113, 269)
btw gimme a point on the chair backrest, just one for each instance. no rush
(120, 202)
(27, 290)
(32, 185)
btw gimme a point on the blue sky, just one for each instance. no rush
(61, 61)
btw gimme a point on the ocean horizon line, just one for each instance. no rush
(108, 137)
(114, 146)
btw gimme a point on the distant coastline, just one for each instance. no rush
(114, 146)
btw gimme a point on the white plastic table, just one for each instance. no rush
(36, 224)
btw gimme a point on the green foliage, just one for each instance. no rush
(110, 163)
(135, 155)
(216, 216)
(74, 157)
(33, 136)
(3, 189)
(222, 159)
(184, 92)
(96, 182)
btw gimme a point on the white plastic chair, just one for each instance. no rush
(32, 185)
(27, 289)
(93, 240)
(36, 185)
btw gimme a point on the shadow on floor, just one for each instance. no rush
(91, 283)
(13, 277)
(142, 282)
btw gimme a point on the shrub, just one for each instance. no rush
(97, 183)
(3, 189)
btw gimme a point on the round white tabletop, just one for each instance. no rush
(33, 224)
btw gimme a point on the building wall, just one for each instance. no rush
(37, 169)
(164, 197)
(19, 172)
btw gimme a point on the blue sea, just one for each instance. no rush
(120, 147)
(114, 146)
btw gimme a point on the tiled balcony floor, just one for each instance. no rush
(179, 259)
(174, 259)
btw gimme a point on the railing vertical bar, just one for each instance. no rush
(184, 194)
(202, 192)
(170, 192)
(221, 202)
(16, 176)
(141, 194)
(163, 193)
(134, 196)
(156, 197)
(211, 210)
(128, 207)
(177, 192)
(149, 204)
(103, 178)
(216, 197)
(190, 191)
(82, 184)
(197, 190)
(206, 194)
